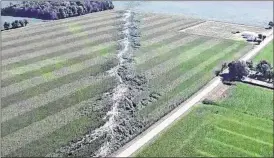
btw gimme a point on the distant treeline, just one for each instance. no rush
(54, 10)
(15, 24)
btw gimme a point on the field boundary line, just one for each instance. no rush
(142, 139)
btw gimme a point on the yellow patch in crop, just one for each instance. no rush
(32, 67)
(76, 67)
(74, 28)
(105, 51)
(48, 76)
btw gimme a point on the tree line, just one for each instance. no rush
(54, 10)
(239, 69)
(15, 24)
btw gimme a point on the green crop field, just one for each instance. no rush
(266, 54)
(240, 125)
(56, 84)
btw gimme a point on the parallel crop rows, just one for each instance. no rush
(51, 71)
(234, 127)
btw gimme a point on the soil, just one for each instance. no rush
(219, 93)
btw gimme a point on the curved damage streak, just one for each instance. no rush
(121, 116)
(121, 123)
(119, 96)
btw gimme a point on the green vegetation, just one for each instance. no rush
(250, 100)
(265, 54)
(180, 82)
(53, 79)
(240, 125)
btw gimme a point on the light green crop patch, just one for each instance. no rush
(31, 67)
(105, 51)
(48, 76)
(74, 28)
(76, 67)
(79, 31)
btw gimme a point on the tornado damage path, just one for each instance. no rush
(103, 79)
(121, 124)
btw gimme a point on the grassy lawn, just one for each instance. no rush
(234, 127)
(265, 54)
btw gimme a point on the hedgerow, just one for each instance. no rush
(54, 10)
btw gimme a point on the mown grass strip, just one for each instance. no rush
(25, 118)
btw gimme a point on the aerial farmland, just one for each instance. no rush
(87, 85)
(237, 123)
